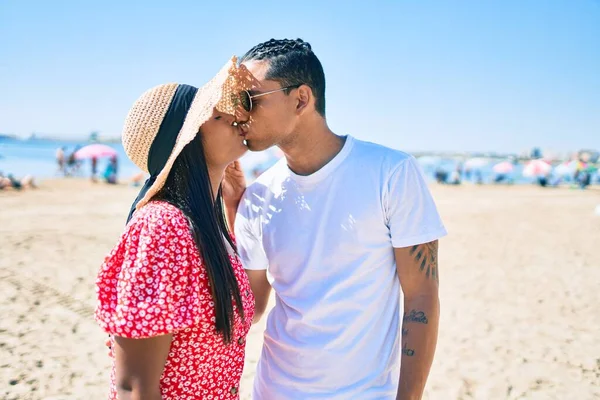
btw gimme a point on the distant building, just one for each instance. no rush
(4, 136)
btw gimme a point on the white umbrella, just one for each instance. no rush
(537, 168)
(566, 168)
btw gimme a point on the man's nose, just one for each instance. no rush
(242, 116)
(244, 127)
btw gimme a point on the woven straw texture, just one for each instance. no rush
(146, 115)
(143, 122)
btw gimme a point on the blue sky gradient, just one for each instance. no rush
(414, 75)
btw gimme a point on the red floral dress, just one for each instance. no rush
(153, 283)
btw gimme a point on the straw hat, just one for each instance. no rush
(148, 113)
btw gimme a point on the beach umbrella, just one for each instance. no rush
(504, 167)
(566, 168)
(536, 168)
(95, 151)
(476, 163)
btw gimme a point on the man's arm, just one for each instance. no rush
(230, 212)
(419, 277)
(248, 240)
(232, 190)
(261, 288)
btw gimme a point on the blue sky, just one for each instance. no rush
(500, 75)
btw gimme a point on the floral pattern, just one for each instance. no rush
(153, 283)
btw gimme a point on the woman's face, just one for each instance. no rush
(222, 139)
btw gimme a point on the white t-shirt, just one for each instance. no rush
(327, 243)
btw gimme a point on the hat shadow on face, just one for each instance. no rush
(249, 81)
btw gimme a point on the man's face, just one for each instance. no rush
(273, 116)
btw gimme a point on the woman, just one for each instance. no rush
(172, 293)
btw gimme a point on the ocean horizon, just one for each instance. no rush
(37, 157)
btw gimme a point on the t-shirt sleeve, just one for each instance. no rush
(145, 287)
(411, 212)
(248, 234)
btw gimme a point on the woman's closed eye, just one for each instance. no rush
(233, 123)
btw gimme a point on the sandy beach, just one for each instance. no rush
(520, 275)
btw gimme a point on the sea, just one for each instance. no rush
(37, 157)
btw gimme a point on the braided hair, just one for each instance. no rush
(291, 62)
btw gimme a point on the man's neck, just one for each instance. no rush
(311, 149)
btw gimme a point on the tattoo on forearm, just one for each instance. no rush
(426, 255)
(418, 317)
(415, 316)
(406, 351)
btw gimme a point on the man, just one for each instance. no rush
(335, 228)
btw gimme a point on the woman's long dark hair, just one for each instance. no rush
(188, 188)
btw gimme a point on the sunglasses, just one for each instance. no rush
(246, 97)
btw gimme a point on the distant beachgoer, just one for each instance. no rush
(441, 176)
(584, 179)
(94, 162)
(468, 173)
(499, 178)
(455, 176)
(4, 182)
(110, 173)
(478, 177)
(137, 179)
(72, 164)
(60, 159)
(10, 182)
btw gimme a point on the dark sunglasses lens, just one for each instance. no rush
(246, 101)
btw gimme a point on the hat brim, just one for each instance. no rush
(221, 92)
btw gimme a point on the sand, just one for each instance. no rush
(520, 275)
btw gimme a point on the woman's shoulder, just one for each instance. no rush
(159, 208)
(158, 215)
(156, 257)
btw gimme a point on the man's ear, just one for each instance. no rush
(304, 98)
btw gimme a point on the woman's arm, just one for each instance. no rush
(139, 366)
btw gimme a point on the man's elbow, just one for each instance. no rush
(431, 297)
